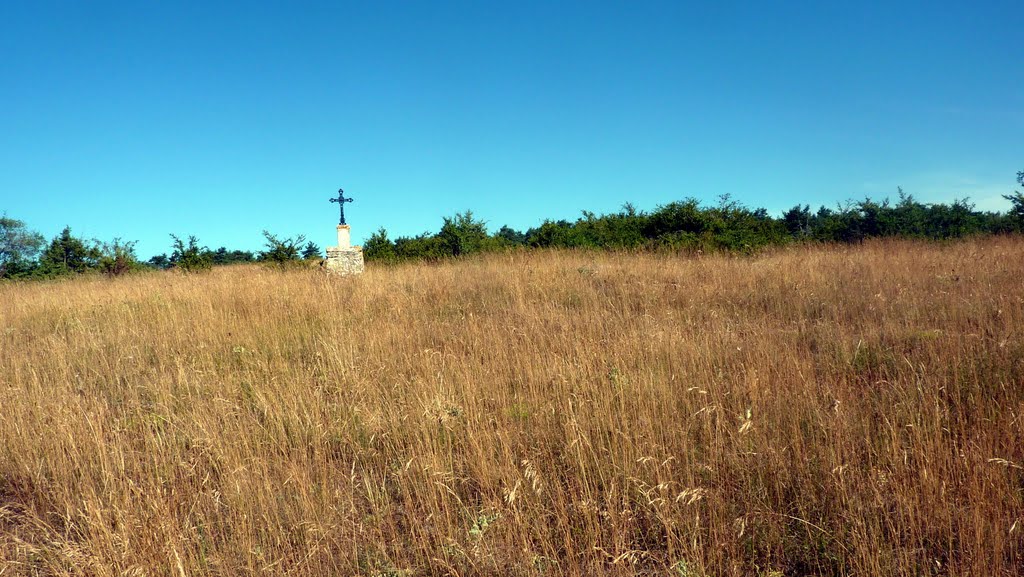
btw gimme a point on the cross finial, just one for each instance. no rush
(341, 200)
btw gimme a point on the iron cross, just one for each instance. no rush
(341, 200)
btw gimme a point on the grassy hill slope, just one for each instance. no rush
(813, 411)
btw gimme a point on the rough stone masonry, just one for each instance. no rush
(344, 259)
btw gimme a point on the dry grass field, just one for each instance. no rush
(809, 411)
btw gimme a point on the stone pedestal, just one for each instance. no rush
(344, 259)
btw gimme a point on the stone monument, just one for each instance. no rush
(344, 259)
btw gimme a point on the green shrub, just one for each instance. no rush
(118, 258)
(190, 257)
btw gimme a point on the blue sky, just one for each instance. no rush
(221, 119)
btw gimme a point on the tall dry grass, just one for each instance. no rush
(814, 411)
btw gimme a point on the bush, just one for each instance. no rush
(379, 247)
(553, 234)
(282, 251)
(462, 234)
(118, 258)
(190, 257)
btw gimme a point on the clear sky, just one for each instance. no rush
(221, 119)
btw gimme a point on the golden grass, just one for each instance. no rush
(811, 411)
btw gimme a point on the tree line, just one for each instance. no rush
(684, 225)
(25, 254)
(687, 225)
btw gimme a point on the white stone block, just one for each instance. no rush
(344, 236)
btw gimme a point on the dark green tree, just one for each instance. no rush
(18, 247)
(242, 256)
(510, 236)
(221, 256)
(68, 254)
(952, 220)
(161, 261)
(909, 216)
(1016, 199)
(380, 248)
(798, 221)
(311, 252)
